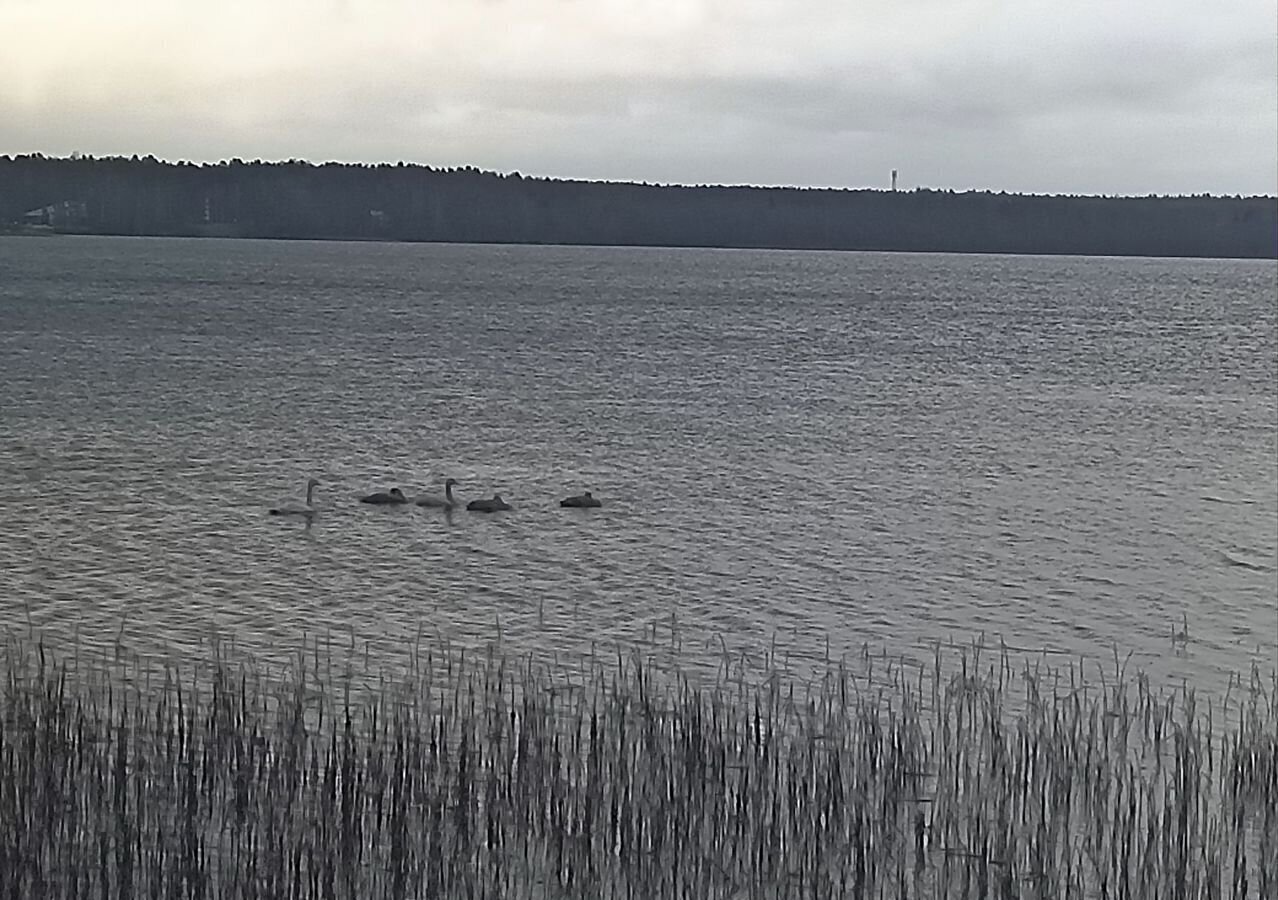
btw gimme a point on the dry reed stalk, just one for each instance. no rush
(487, 776)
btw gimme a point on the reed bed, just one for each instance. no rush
(484, 776)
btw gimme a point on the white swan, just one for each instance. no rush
(581, 500)
(493, 505)
(395, 496)
(437, 502)
(296, 509)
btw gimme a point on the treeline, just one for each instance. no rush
(296, 199)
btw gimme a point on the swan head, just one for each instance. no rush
(314, 482)
(396, 492)
(450, 482)
(497, 498)
(586, 494)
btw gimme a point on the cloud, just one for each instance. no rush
(1031, 95)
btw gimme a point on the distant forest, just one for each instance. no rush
(296, 199)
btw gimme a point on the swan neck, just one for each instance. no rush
(310, 492)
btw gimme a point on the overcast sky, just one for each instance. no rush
(1044, 96)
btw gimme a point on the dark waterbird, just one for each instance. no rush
(395, 495)
(493, 505)
(581, 500)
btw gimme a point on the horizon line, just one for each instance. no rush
(76, 156)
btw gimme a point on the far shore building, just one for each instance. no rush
(66, 212)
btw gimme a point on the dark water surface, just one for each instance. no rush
(792, 448)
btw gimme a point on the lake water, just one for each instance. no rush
(794, 450)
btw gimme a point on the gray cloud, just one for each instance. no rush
(968, 93)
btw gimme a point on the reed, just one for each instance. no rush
(476, 776)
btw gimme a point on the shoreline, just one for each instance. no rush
(50, 233)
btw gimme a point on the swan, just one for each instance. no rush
(437, 502)
(296, 509)
(395, 496)
(584, 499)
(492, 505)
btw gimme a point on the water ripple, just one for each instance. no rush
(804, 451)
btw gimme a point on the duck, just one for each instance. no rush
(584, 499)
(434, 501)
(297, 509)
(394, 496)
(493, 505)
